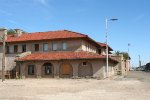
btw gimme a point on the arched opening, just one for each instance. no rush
(47, 70)
(85, 69)
(66, 70)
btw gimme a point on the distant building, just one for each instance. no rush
(123, 66)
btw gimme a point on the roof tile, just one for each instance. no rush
(45, 36)
(61, 55)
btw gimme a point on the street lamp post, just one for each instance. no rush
(107, 56)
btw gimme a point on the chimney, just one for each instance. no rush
(3, 33)
(18, 32)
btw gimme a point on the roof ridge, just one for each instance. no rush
(75, 32)
(58, 31)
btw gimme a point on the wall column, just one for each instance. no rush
(56, 69)
(75, 69)
(22, 70)
(38, 69)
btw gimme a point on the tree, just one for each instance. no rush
(11, 32)
(125, 55)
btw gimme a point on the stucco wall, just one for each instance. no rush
(123, 65)
(9, 60)
(72, 45)
(97, 66)
(75, 45)
(86, 46)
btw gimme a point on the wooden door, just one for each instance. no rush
(66, 69)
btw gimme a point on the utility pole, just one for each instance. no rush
(128, 48)
(3, 34)
(139, 61)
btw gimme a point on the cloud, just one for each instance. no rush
(5, 12)
(12, 21)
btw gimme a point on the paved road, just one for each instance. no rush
(138, 75)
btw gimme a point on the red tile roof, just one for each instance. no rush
(52, 35)
(61, 56)
(104, 45)
(62, 34)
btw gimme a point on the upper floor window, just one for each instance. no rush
(36, 47)
(15, 48)
(45, 47)
(24, 48)
(99, 51)
(64, 46)
(88, 48)
(54, 46)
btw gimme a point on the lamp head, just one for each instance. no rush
(114, 19)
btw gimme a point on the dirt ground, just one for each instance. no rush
(135, 86)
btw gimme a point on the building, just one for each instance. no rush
(51, 54)
(123, 66)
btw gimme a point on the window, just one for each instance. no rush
(88, 48)
(54, 46)
(7, 49)
(15, 48)
(47, 68)
(36, 47)
(45, 47)
(99, 51)
(30, 69)
(64, 46)
(84, 63)
(11, 49)
(23, 48)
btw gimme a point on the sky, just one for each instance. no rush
(87, 17)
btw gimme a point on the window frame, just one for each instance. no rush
(44, 44)
(15, 48)
(84, 64)
(33, 70)
(54, 44)
(24, 48)
(64, 46)
(36, 47)
(7, 49)
(46, 68)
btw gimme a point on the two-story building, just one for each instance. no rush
(62, 53)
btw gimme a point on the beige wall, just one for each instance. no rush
(123, 65)
(86, 46)
(72, 45)
(75, 45)
(97, 66)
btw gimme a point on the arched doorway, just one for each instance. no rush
(47, 70)
(85, 69)
(66, 70)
